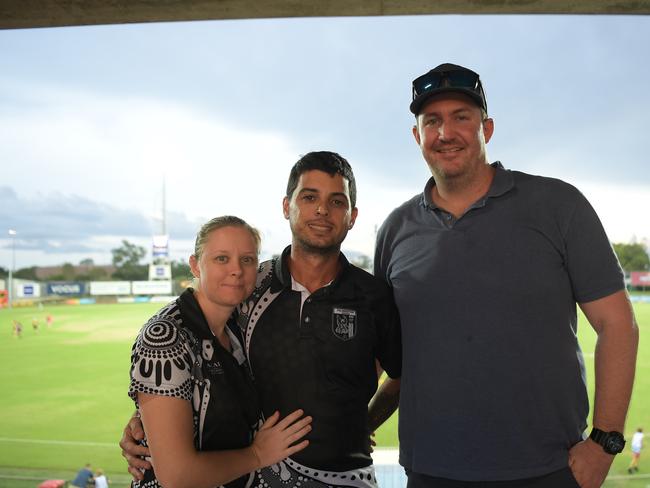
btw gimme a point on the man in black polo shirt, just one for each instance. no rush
(315, 329)
(486, 266)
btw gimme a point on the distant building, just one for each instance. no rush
(44, 273)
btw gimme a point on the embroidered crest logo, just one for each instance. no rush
(344, 323)
(214, 368)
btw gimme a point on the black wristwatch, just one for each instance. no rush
(612, 442)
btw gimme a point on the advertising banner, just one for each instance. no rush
(160, 272)
(110, 287)
(640, 278)
(66, 288)
(151, 287)
(28, 290)
(160, 246)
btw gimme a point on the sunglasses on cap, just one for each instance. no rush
(463, 80)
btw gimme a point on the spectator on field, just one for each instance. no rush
(488, 266)
(35, 324)
(83, 478)
(190, 379)
(636, 446)
(49, 320)
(100, 479)
(17, 329)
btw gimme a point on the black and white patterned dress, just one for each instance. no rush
(176, 355)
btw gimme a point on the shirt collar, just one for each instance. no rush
(197, 323)
(502, 183)
(282, 276)
(190, 308)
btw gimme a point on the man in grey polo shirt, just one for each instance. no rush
(487, 266)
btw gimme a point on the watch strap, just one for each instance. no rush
(598, 436)
(611, 442)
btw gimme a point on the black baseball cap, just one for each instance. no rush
(445, 78)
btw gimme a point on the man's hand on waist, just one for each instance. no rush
(589, 463)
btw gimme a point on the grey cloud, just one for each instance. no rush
(58, 223)
(56, 247)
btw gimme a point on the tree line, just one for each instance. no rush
(126, 261)
(633, 257)
(127, 265)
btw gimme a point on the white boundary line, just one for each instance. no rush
(627, 476)
(69, 443)
(380, 456)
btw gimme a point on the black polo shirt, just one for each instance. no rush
(494, 384)
(320, 356)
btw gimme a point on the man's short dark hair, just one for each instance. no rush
(327, 161)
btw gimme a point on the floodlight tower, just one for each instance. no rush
(164, 207)
(12, 235)
(160, 267)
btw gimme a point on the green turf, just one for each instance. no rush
(64, 388)
(64, 397)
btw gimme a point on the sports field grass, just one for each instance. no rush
(64, 399)
(64, 388)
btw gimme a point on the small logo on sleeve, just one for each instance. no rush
(344, 323)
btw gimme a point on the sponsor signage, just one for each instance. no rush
(640, 278)
(28, 290)
(110, 287)
(158, 287)
(160, 246)
(66, 288)
(160, 272)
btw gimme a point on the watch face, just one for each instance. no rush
(614, 443)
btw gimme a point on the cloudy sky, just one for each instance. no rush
(93, 119)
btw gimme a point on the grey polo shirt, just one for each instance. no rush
(493, 379)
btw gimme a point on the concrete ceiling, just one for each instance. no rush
(15, 14)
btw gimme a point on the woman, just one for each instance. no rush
(190, 380)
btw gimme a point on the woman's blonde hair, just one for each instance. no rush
(218, 223)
